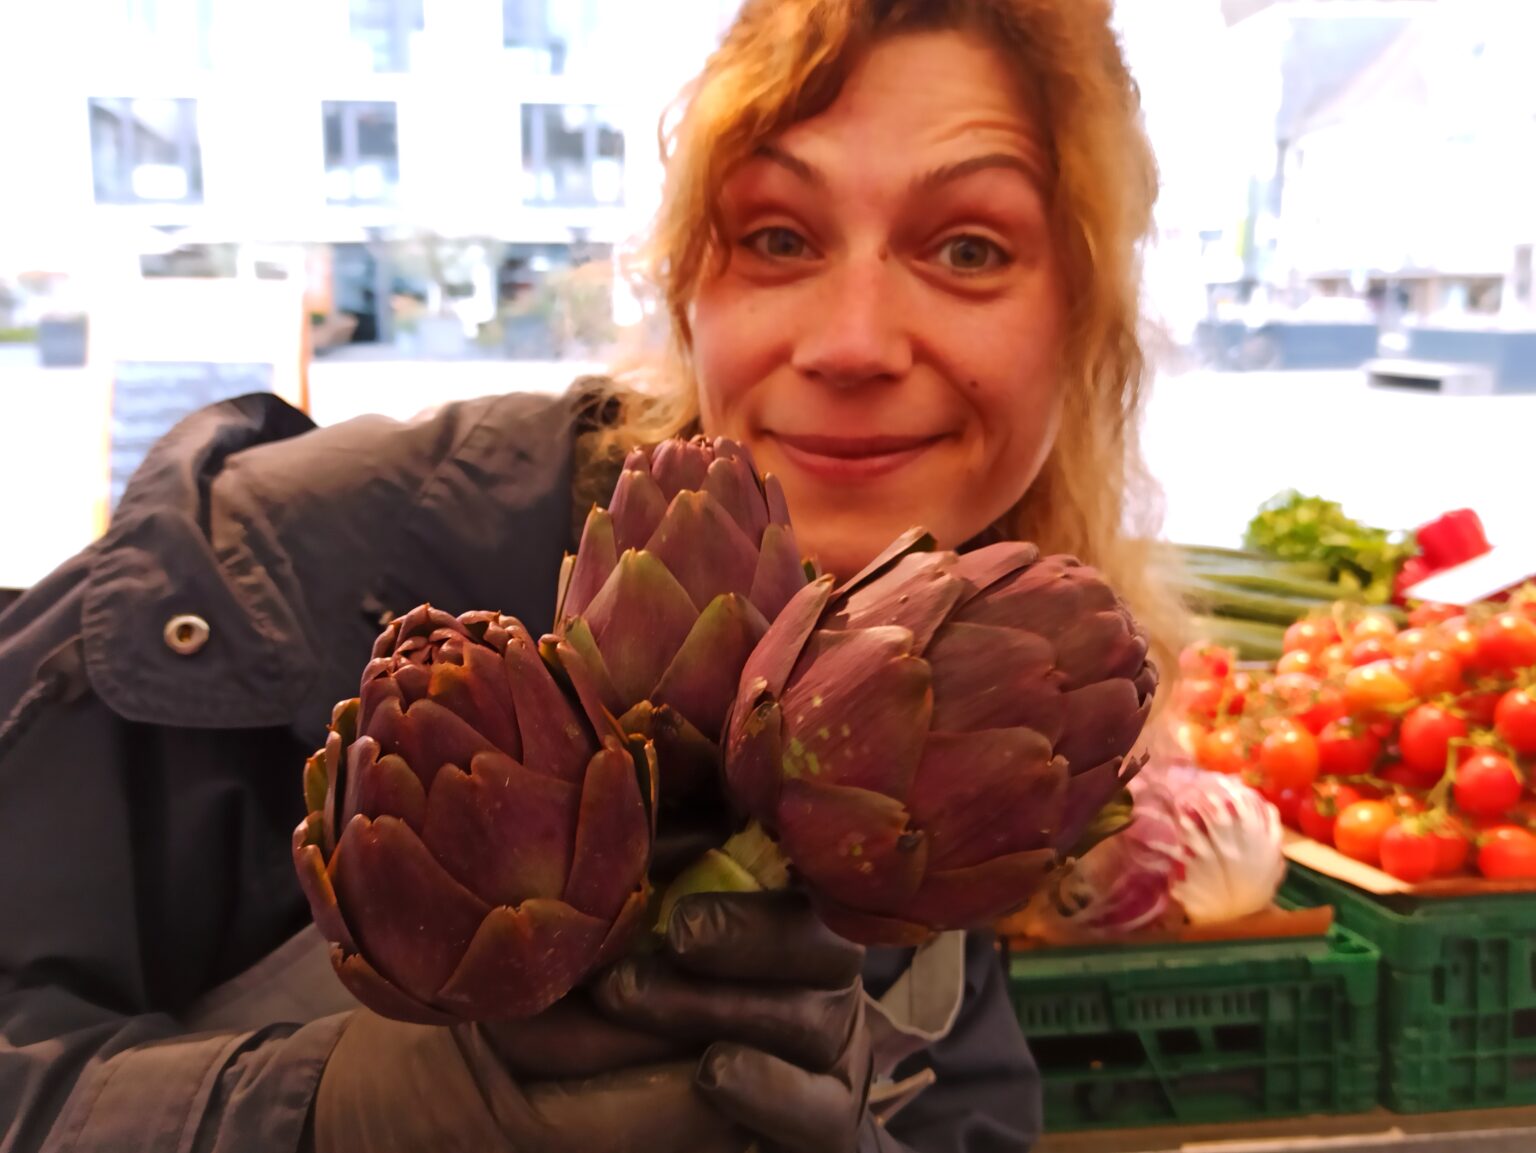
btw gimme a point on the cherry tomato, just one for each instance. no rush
(1507, 853)
(1487, 785)
(1411, 642)
(1407, 777)
(1358, 831)
(1299, 661)
(1369, 651)
(1292, 690)
(1515, 720)
(1406, 804)
(1480, 708)
(1206, 661)
(1287, 801)
(1452, 846)
(1375, 689)
(1372, 625)
(1311, 635)
(1434, 672)
(1187, 735)
(1335, 657)
(1288, 757)
(1408, 853)
(1429, 614)
(1200, 698)
(1507, 644)
(1223, 750)
(1321, 807)
(1238, 690)
(1347, 750)
(1426, 736)
(1460, 640)
(1327, 706)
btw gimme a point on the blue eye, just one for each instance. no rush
(972, 254)
(777, 243)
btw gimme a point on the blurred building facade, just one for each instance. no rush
(411, 149)
(1398, 159)
(426, 161)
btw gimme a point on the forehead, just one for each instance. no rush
(919, 97)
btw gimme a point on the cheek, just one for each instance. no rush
(1014, 374)
(733, 348)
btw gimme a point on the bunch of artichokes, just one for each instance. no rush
(918, 747)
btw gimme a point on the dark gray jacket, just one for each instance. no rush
(147, 795)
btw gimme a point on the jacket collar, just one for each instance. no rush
(291, 543)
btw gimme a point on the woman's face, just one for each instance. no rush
(887, 335)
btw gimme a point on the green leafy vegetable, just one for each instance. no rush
(1308, 528)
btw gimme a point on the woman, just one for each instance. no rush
(898, 251)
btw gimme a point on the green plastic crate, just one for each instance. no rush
(1198, 1033)
(1458, 992)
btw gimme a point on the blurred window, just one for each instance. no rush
(145, 151)
(385, 27)
(572, 154)
(525, 23)
(362, 156)
(525, 29)
(175, 31)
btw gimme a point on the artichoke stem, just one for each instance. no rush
(759, 854)
(747, 863)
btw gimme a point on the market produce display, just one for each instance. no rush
(1302, 555)
(919, 748)
(1244, 601)
(1406, 748)
(1310, 529)
(1202, 849)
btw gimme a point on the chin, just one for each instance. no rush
(846, 554)
(838, 555)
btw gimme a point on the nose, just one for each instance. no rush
(854, 331)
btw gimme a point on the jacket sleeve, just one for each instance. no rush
(87, 1059)
(986, 1098)
(141, 863)
(147, 797)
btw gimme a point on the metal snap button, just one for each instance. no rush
(186, 634)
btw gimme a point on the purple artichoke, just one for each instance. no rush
(670, 590)
(928, 740)
(474, 847)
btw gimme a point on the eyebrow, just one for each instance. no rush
(949, 173)
(944, 174)
(788, 160)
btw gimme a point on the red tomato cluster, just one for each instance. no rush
(1412, 749)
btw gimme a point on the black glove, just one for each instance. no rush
(567, 1081)
(774, 1000)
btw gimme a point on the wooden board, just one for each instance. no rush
(1271, 924)
(1330, 862)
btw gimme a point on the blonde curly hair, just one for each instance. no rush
(784, 61)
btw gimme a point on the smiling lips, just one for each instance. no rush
(842, 458)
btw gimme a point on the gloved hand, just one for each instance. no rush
(774, 1000)
(567, 1081)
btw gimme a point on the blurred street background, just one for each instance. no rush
(379, 205)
